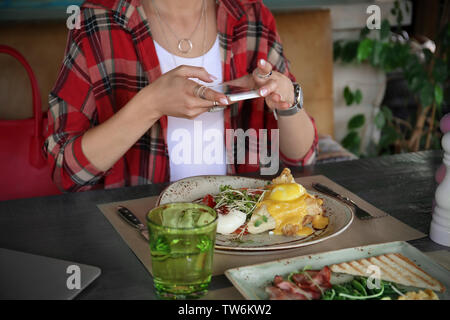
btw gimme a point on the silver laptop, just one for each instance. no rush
(28, 276)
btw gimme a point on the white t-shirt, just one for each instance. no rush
(196, 147)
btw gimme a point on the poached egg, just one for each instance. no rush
(286, 209)
(228, 223)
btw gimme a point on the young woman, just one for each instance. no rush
(131, 89)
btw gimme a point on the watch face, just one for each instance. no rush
(300, 97)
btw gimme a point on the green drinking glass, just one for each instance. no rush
(182, 238)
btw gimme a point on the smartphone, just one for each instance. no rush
(235, 93)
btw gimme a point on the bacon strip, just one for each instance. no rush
(285, 290)
(307, 285)
(315, 282)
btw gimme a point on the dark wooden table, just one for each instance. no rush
(71, 227)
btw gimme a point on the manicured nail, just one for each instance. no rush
(224, 101)
(263, 92)
(262, 62)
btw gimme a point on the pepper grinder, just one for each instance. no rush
(440, 223)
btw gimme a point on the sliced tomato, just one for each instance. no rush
(223, 210)
(239, 230)
(209, 201)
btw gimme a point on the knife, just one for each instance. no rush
(360, 213)
(131, 219)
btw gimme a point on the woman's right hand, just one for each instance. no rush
(174, 94)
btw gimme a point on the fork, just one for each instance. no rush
(360, 213)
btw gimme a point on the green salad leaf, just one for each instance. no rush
(357, 289)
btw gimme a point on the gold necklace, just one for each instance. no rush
(185, 44)
(204, 36)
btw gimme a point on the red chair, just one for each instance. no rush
(24, 172)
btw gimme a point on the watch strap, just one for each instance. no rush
(298, 103)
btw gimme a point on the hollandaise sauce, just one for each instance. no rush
(288, 212)
(286, 204)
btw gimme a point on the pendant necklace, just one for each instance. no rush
(185, 44)
(204, 35)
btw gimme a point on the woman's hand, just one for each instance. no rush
(277, 89)
(175, 94)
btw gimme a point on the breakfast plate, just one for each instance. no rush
(193, 188)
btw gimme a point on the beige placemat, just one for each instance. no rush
(382, 229)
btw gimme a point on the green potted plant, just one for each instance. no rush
(426, 73)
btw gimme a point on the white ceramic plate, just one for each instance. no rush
(251, 281)
(193, 188)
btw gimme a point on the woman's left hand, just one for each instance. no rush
(277, 89)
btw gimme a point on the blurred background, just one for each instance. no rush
(371, 92)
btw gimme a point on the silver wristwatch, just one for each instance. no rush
(298, 103)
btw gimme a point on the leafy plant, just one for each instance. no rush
(427, 75)
(351, 97)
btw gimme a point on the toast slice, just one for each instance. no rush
(394, 267)
(266, 221)
(284, 177)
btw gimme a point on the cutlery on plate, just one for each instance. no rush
(360, 213)
(131, 219)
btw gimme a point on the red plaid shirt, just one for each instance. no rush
(112, 56)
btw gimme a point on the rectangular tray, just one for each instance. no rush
(251, 281)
